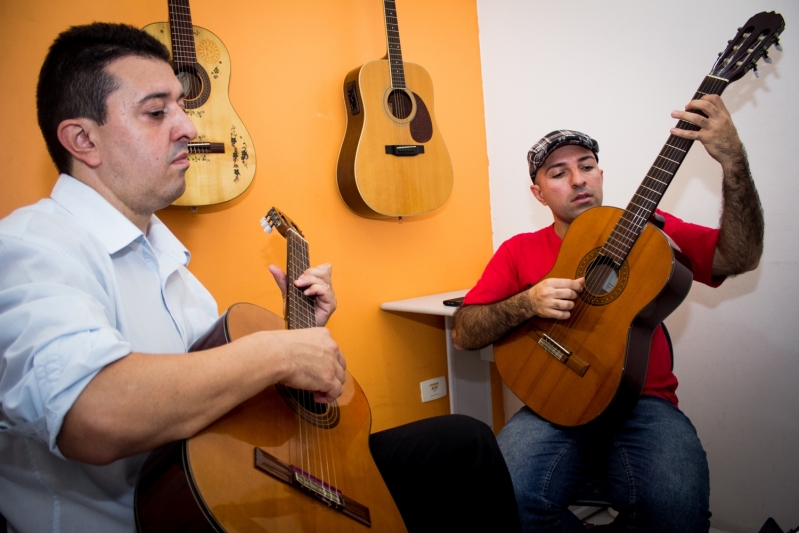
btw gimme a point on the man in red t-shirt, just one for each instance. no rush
(651, 462)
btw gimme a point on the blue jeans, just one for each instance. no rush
(652, 461)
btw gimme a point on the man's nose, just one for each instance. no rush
(185, 128)
(578, 180)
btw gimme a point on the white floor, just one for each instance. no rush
(602, 516)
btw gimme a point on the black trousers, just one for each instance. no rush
(446, 474)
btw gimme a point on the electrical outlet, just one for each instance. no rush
(435, 388)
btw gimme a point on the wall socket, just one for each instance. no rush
(435, 388)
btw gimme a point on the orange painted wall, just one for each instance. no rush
(289, 60)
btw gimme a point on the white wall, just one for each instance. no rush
(616, 70)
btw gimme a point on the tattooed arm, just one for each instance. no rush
(479, 325)
(741, 227)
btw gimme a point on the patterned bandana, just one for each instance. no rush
(541, 150)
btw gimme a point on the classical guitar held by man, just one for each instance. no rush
(570, 371)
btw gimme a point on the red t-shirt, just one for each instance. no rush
(523, 260)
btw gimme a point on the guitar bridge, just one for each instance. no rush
(404, 150)
(206, 148)
(559, 352)
(562, 354)
(312, 486)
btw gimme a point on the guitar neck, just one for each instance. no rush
(393, 44)
(300, 309)
(657, 180)
(181, 33)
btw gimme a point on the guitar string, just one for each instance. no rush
(328, 445)
(326, 435)
(290, 313)
(307, 457)
(633, 220)
(302, 315)
(305, 314)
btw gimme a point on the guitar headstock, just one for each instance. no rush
(749, 45)
(279, 221)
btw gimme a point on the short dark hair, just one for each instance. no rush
(73, 82)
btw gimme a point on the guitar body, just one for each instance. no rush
(610, 331)
(212, 177)
(376, 184)
(210, 483)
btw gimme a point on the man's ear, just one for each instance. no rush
(77, 136)
(536, 190)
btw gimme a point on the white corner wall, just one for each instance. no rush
(616, 70)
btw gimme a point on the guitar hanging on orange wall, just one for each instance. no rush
(393, 161)
(222, 156)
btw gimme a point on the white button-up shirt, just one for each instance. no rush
(80, 287)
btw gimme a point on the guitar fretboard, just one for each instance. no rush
(182, 33)
(393, 44)
(657, 180)
(300, 309)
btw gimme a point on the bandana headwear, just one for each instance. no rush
(541, 150)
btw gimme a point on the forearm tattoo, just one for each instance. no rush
(477, 326)
(741, 231)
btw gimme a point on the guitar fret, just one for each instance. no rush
(649, 188)
(620, 244)
(644, 199)
(639, 226)
(657, 180)
(613, 248)
(664, 170)
(669, 159)
(676, 148)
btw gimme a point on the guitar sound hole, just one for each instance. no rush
(192, 84)
(305, 400)
(196, 84)
(601, 277)
(400, 104)
(321, 415)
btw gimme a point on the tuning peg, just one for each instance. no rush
(777, 45)
(754, 69)
(766, 58)
(265, 224)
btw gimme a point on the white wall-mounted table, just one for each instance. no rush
(469, 374)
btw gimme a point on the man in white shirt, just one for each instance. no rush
(98, 310)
